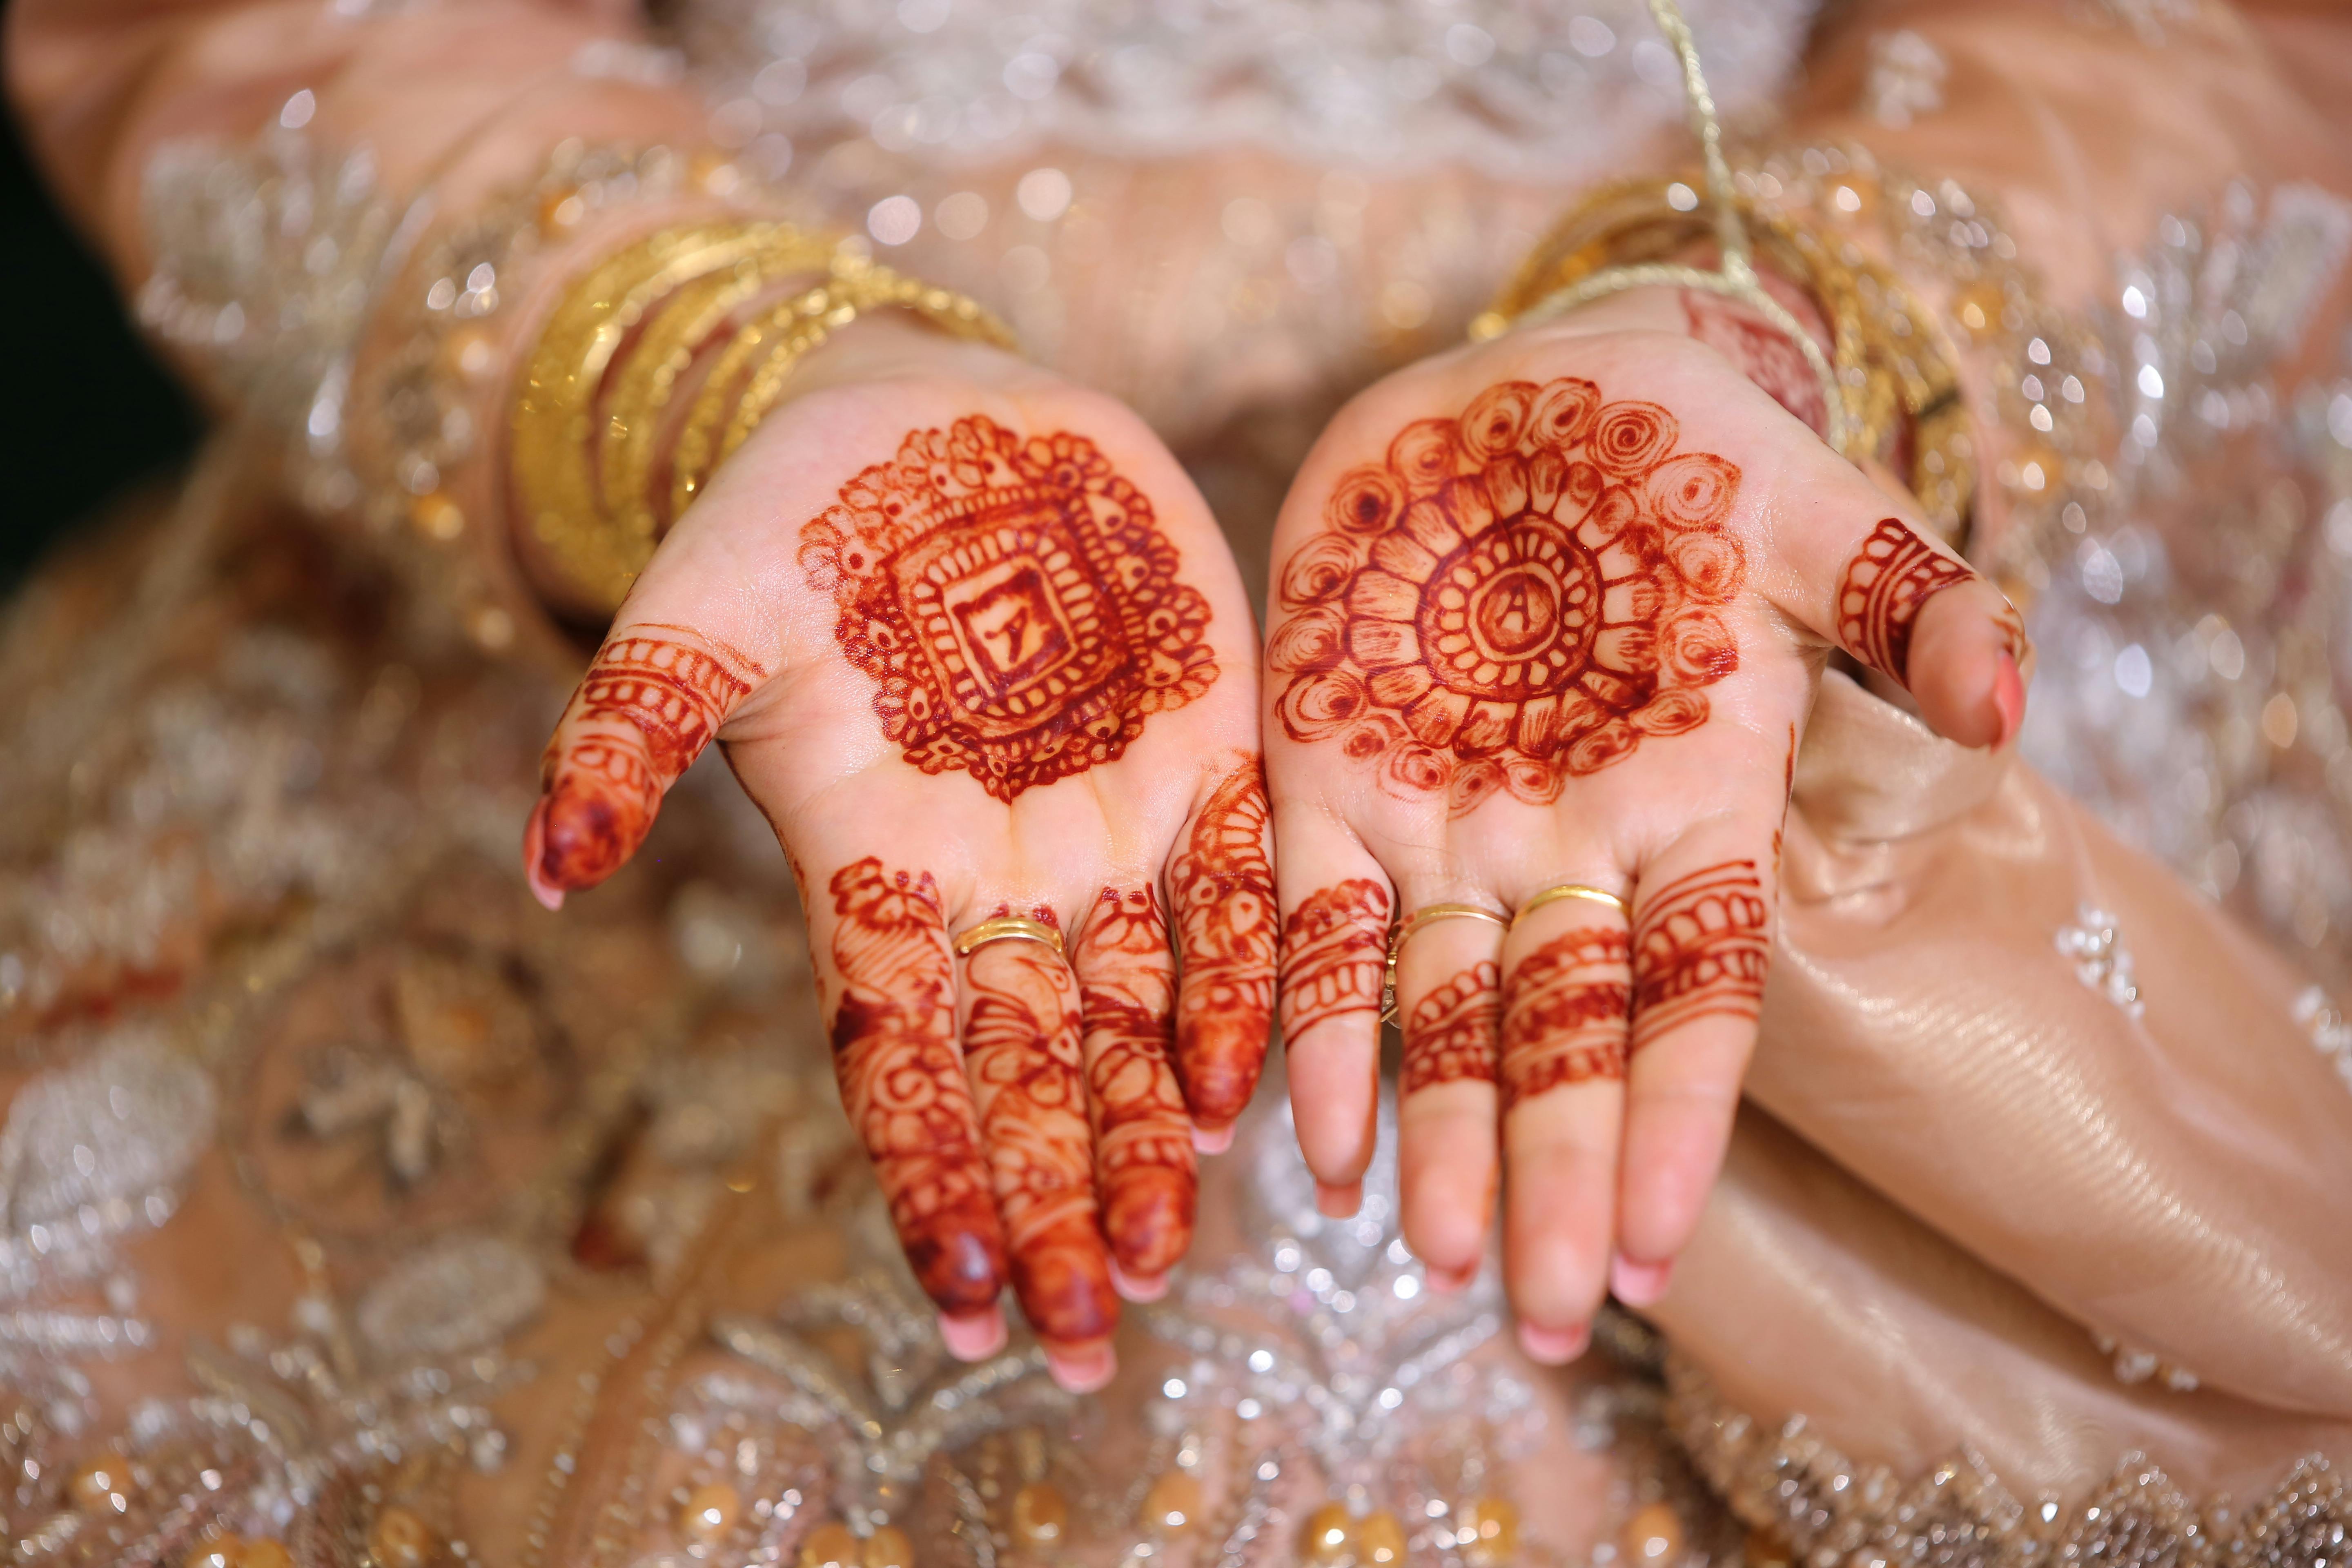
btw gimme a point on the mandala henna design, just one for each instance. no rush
(1886, 583)
(1761, 352)
(902, 1082)
(1702, 944)
(1513, 596)
(1565, 1021)
(1014, 599)
(1222, 882)
(1142, 1133)
(1334, 955)
(1451, 1032)
(1021, 1048)
(648, 705)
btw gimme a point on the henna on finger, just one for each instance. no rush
(651, 700)
(1566, 1016)
(1702, 945)
(1014, 600)
(1334, 955)
(1143, 1135)
(902, 1080)
(1222, 883)
(1521, 593)
(1023, 1050)
(1887, 584)
(1760, 351)
(1451, 1034)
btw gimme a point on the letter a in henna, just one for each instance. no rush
(650, 702)
(1014, 599)
(1223, 887)
(1334, 954)
(1888, 582)
(902, 1080)
(1143, 1136)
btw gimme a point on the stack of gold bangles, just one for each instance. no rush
(1430, 914)
(603, 461)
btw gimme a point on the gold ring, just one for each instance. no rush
(1428, 914)
(1008, 928)
(1570, 890)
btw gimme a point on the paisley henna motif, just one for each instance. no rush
(1223, 885)
(1022, 1047)
(1014, 599)
(1517, 595)
(1886, 583)
(1451, 1032)
(648, 705)
(902, 1082)
(1143, 1136)
(1334, 953)
(1565, 1021)
(1702, 944)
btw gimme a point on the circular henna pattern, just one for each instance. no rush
(1014, 599)
(1521, 593)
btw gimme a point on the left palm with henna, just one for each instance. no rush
(971, 641)
(1549, 613)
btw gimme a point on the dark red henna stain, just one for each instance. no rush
(1222, 883)
(1143, 1133)
(1761, 352)
(1022, 1047)
(1014, 599)
(1565, 1021)
(1334, 954)
(1702, 944)
(1886, 583)
(650, 702)
(1512, 597)
(1452, 1033)
(902, 1080)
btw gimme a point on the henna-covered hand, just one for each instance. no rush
(971, 641)
(1550, 612)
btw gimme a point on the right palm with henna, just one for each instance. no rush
(972, 643)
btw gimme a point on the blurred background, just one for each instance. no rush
(86, 413)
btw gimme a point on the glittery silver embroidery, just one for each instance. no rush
(2100, 960)
(458, 1295)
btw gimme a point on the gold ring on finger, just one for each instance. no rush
(1008, 928)
(1428, 914)
(1570, 890)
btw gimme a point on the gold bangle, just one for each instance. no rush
(1008, 928)
(1428, 914)
(1569, 891)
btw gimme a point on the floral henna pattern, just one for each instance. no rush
(1022, 1047)
(1566, 1019)
(1143, 1136)
(1014, 599)
(1223, 885)
(1886, 583)
(1702, 944)
(1451, 1032)
(1334, 955)
(1513, 596)
(1762, 352)
(648, 705)
(902, 1082)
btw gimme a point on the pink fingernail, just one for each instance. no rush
(1212, 1140)
(973, 1336)
(1638, 1284)
(1339, 1203)
(1138, 1287)
(1553, 1347)
(1084, 1370)
(534, 844)
(1447, 1281)
(2009, 697)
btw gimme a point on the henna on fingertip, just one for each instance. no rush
(1143, 1133)
(1222, 885)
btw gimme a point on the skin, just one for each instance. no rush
(1584, 1064)
(1032, 1117)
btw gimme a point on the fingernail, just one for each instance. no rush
(1339, 1203)
(534, 845)
(1138, 1287)
(1638, 1284)
(1553, 1347)
(1084, 1368)
(973, 1336)
(1212, 1140)
(2009, 696)
(1448, 1281)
